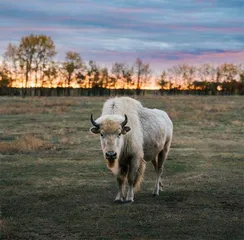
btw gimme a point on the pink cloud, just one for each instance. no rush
(160, 60)
(236, 57)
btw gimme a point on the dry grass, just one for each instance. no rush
(27, 109)
(27, 106)
(25, 144)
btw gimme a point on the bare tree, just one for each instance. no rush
(117, 71)
(33, 51)
(142, 72)
(93, 71)
(206, 72)
(104, 77)
(189, 73)
(228, 72)
(73, 62)
(50, 74)
(5, 78)
(44, 52)
(183, 75)
(128, 73)
(32, 54)
(123, 73)
(11, 63)
(162, 81)
(241, 73)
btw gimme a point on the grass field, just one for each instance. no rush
(55, 185)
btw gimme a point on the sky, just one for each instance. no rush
(162, 33)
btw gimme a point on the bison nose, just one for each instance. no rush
(111, 155)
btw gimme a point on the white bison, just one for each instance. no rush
(131, 135)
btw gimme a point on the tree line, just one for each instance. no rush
(31, 65)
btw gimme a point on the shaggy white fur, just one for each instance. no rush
(148, 137)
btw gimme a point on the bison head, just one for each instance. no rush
(112, 129)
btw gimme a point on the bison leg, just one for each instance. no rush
(140, 175)
(159, 170)
(121, 180)
(121, 186)
(132, 179)
(130, 194)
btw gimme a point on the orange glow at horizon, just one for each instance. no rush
(152, 85)
(19, 83)
(119, 85)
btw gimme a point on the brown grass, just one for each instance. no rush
(12, 110)
(27, 105)
(27, 143)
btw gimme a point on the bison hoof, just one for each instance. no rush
(129, 201)
(155, 195)
(119, 201)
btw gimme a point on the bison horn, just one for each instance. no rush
(93, 122)
(125, 121)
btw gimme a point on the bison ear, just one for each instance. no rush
(125, 130)
(95, 130)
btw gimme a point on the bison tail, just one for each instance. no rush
(140, 175)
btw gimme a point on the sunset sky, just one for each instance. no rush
(160, 32)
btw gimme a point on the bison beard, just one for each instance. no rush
(113, 166)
